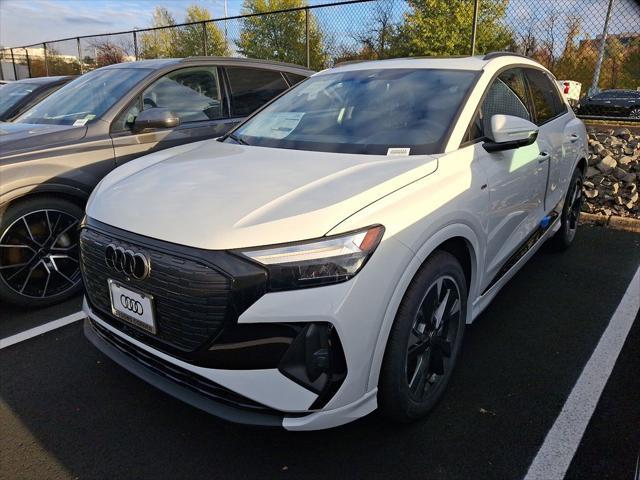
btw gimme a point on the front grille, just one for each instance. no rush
(192, 300)
(179, 375)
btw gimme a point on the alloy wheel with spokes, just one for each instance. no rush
(575, 206)
(425, 340)
(39, 255)
(432, 335)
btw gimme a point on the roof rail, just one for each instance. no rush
(242, 60)
(491, 55)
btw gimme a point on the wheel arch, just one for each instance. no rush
(457, 239)
(72, 194)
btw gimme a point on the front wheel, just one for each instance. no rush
(564, 237)
(424, 341)
(634, 112)
(39, 252)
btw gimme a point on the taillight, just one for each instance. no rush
(566, 88)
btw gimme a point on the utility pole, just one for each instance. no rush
(603, 43)
(474, 26)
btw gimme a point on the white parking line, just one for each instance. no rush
(34, 332)
(560, 445)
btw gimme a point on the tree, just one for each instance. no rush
(281, 36)
(186, 41)
(107, 53)
(159, 43)
(191, 38)
(443, 27)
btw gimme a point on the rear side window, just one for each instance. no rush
(507, 95)
(251, 88)
(546, 99)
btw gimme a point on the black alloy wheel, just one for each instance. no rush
(425, 340)
(434, 331)
(39, 252)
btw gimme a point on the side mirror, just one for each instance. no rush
(509, 132)
(154, 118)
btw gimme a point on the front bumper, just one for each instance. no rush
(167, 374)
(354, 310)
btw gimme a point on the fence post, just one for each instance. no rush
(46, 63)
(306, 36)
(13, 60)
(474, 26)
(204, 38)
(26, 54)
(603, 43)
(135, 45)
(80, 56)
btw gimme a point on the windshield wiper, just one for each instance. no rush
(237, 139)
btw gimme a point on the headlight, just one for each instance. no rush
(317, 262)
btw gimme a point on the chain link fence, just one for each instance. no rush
(592, 46)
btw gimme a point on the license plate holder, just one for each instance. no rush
(132, 306)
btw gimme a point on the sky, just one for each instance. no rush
(24, 22)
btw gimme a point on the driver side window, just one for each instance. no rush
(507, 95)
(191, 93)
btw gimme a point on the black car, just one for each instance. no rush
(52, 156)
(612, 103)
(18, 97)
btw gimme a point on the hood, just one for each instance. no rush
(17, 137)
(216, 195)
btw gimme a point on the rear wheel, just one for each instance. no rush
(635, 112)
(570, 214)
(39, 252)
(425, 340)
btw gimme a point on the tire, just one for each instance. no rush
(39, 252)
(404, 396)
(564, 237)
(634, 112)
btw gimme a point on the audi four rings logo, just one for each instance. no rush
(130, 304)
(135, 265)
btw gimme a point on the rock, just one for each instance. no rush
(633, 198)
(591, 172)
(598, 148)
(626, 160)
(622, 133)
(615, 188)
(619, 173)
(607, 164)
(588, 184)
(629, 178)
(591, 193)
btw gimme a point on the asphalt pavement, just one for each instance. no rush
(67, 411)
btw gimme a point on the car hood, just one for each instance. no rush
(216, 195)
(17, 137)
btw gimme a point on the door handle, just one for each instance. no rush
(573, 137)
(543, 157)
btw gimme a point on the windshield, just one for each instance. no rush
(12, 93)
(363, 111)
(86, 98)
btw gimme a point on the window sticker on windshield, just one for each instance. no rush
(398, 152)
(275, 125)
(80, 122)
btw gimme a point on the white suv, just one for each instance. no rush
(323, 259)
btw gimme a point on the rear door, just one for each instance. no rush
(193, 93)
(558, 134)
(251, 88)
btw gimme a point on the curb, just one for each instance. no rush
(627, 224)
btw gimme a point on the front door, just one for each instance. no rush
(193, 93)
(516, 178)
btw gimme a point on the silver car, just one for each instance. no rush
(53, 155)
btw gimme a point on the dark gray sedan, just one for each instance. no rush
(18, 97)
(52, 156)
